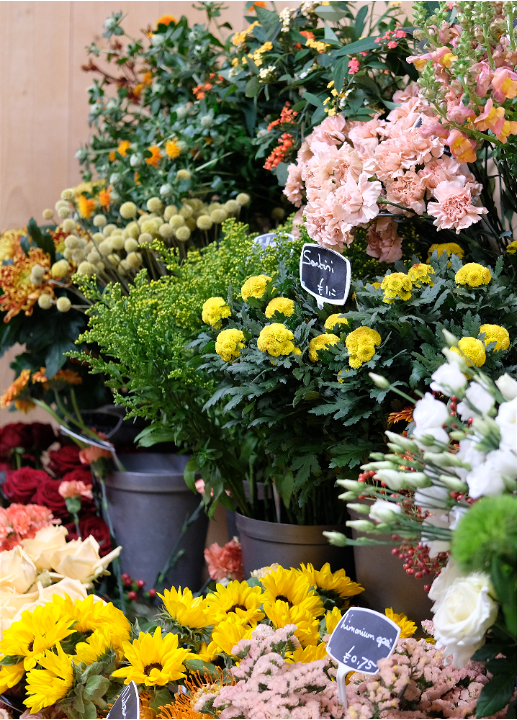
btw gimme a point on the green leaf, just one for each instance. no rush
(154, 434)
(313, 99)
(360, 20)
(497, 692)
(282, 173)
(9, 660)
(330, 36)
(252, 86)
(330, 13)
(42, 239)
(285, 487)
(340, 71)
(201, 667)
(96, 687)
(359, 46)
(161, 697)
(189, 474)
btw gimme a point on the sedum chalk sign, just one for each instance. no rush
(325, 274)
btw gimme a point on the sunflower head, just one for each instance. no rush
(185, 610)
(407, 627)
(228, 633)
(292, 588)
(236, 598)
(333, 588)
(51, 681)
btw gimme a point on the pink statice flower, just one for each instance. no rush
(75, 488)
(454, 208)
(225, 563)
(384, 242)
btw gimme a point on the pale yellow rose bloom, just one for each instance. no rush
(44, 544)
(17, 571)
(80, 560)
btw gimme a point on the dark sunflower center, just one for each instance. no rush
(152, 666)
(283, 597)
(234, 608)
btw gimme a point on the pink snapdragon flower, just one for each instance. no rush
(504, 83)
(75, 488)
(454, 208)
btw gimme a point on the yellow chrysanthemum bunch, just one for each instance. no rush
(497, 334)
(420, 273)
(255, 286)
(449, 248)
(214, 310)
(319, 343)
(473, 274)
(361, 344)
(228, 344)
(396, 285)
(333, 320)
(512, 248)
(472, 350)
(282, 305)
(277, 340)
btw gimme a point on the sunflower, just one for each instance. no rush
(307, 654)
(336, 586)
(229, 632)
(91, 613)
(184, 609)
(332, 619)
(407, 627)
(292, 588)
(153, 659)
(281, 615)
(208, 652)
(51, 683)
(10, 675)
(36, 632)
(237, 598)
(95, 647)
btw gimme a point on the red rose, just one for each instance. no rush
(64, 460)
(47, 494)
(94, 525)
(14, 435)
(22, 485)
(43, 435)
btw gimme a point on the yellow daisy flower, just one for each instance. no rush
(228, 633)
(293, 589)
(184, 608)
(153, 659)
(10, 675)
(51, 683)
(95, 647)
(307, 654)
(407, 627)
(281, 614)
(36, 632)
(236, 598)
(326, 581)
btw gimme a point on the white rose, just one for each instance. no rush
(480, 402)
(384, 512)
(507, 421)
(448, 379)
(422, 438)
(507, 387)
(10, 603)
(73, 588)
(80, 560)
(468, 453)
(462, 615)
(447, 576)
(17, 571)
(430, 413)
(44, 544)
(489, 477)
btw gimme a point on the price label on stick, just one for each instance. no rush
(269, 239)
(127, 705)
(361, 638)
(325, 274)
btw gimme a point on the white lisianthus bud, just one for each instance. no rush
(359, 508)
(450, 339)
(453, 357)
(379, 380)
(166, 190)
(381, 465)
(361, 525)
(63, 304)
(348, 496)
(417, 480)
(68, 195)
(448, 379)
(507, 386)
(454, 483)
(394, 479)
(384, 512)
(335, 538)
(350, 484)
(403, 442)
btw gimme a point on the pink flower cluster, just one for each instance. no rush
(22, 522)
(417, 682)
(350, 171)
(225, 563)
(269, 687)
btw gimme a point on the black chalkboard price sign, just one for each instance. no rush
(325, 274)
(127, 705)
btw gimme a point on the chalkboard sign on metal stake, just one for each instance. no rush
(127, 705)
(269, 239)
(325, 274)
(361, 638)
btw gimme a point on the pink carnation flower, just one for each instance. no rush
(331, 131)
(411, 90)
(454, 208)
(21, 522)
(384, 242)
(75, 488)
(407, 190)
(294, 185)
(225, 562)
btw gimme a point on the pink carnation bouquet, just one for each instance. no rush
(22, 522)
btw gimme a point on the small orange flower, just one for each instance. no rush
(257, 3)
(85, 206)
(137, 178)
(172, 148)
(14, 390)
(156, 155)
(39, 376)
(121, 150)
(406, 415)
(105, 198)
(68, 376)
(166, 20)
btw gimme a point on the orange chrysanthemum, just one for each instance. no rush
(257, 3)
(122, 149)
(406, 415)
(10, 243)
(137, 178)
(105, 198)
(172, 149)
(40, 376)
(18, 291)
(155, 156)
(14, 390)
(68, 376)
(166, 20)
(85, 206)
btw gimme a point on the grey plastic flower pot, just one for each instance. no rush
(148, 505)
(264, 543)
(385, 581)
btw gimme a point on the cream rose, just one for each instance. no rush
(44, 544)
(10, 603)
(17, 571)
(80, 560)
(463, 612)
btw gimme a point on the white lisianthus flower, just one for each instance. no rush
(480, 402)
(430, 413)
(463, 612)
(507, 421)
(489, 477)
(468, 453)
(448, 379)
(447, 576)
(384, 512)
(507, 387)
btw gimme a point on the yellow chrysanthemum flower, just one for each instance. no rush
(154, 659)
(236, 598)
(281, 614)
(95, 647)
(420, 273)
(407, 627)
(473, 275)
(10, 675)
(320, 343)
(449, 248)
(229, 632)
(472, 350)
(172, 149)
(293, 589)
(51, 682)
(326, 581)
(85, 206)
(307, 654)
(396, 285)
(35, 633)
(255, 286)
(184, 608)
(332, 619)
(333, 320)
(91, 613)
(214, 310)
(285, 306)
(497, 334)
(512, 247)
(361, 344)
(228, 344)
(276, 340)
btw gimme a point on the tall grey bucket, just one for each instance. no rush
(264, 543)
(148, 505)
(385, 581)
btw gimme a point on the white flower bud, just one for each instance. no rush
(37, 273)
(154, 204)
(166, 190)
(68, 225)
(335, 538)
(131, 245)
(243, 199)
(63, 212)
(183, 233)
(450, 339)
(507, 386)
(379, 380)
(384, 512)
(361, 525)
(71, 242)
(394, 480)
(360, 508)
(166, 231)
(145, 238)
(86, 268)
(351, 485)
(108, 229)
(60, 269)
(106, 247)
(48, 214)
